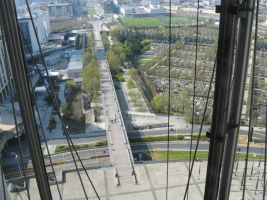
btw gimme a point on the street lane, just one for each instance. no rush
(144, 133)
(185, 146)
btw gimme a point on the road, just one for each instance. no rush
(11, 164)
(185, 146)
(140, 133)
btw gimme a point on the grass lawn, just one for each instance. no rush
(139, 22)
(176, 20)
(142, 61)
(261, 132)
(91, 10)
(203, 138)
(150, 21)
(66, 147)
(147, 57)
(162, 155)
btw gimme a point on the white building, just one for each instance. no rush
(158, 10)
(143, 11)
(42, 27)
(75, 66)
(126, 10)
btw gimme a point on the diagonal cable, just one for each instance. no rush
(8, 73)
(16, 189)
(2, 177)
(200, 130)
(194, 96)
(57, 107)
(169, 101)
(251, 100)
(39, 117)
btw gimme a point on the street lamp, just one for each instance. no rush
(18, 165)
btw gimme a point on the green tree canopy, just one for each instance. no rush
(157, 103)
(182, 101)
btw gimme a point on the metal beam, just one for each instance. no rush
(225, 54)
(245, 12)
(18, 61)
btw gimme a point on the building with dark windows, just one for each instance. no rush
(110, 7)
(42, 27)
(60, 9)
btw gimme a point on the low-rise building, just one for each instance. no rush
(75, 66)
(60, 9)
(143, 11)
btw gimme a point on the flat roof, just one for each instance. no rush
(7, 122)
(75, 65)
(77, 52)
(51, 73)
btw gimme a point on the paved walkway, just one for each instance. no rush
(117, 135)
(152, 181)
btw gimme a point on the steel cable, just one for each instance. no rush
(251, 100)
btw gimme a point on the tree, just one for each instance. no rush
(157, 103)
(130, 84)
(92, 86)
(182, 101)
(165, 101)
(122, 57)
(73, 87)
(132, 73)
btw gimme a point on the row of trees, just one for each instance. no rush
(72, 113)
(89, 53)
(132, 42)
(178, 103)
(159, 34)
(200, 40)
(91, 81)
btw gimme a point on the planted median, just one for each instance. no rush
(162, 155)
(91, 145)
(203, 138)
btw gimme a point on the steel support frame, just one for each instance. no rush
(245, 13)
(18, 62)
(223, 81)
(229, 92)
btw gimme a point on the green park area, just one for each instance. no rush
(91, 10)
(140, 22)
(157, 21)
(177, 20)
(143, 59)
(162, 155)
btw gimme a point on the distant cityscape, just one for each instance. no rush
(120, 68)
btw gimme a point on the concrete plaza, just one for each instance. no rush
(152, 183)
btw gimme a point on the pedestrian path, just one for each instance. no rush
(117, 136)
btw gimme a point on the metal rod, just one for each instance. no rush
(17, 62)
